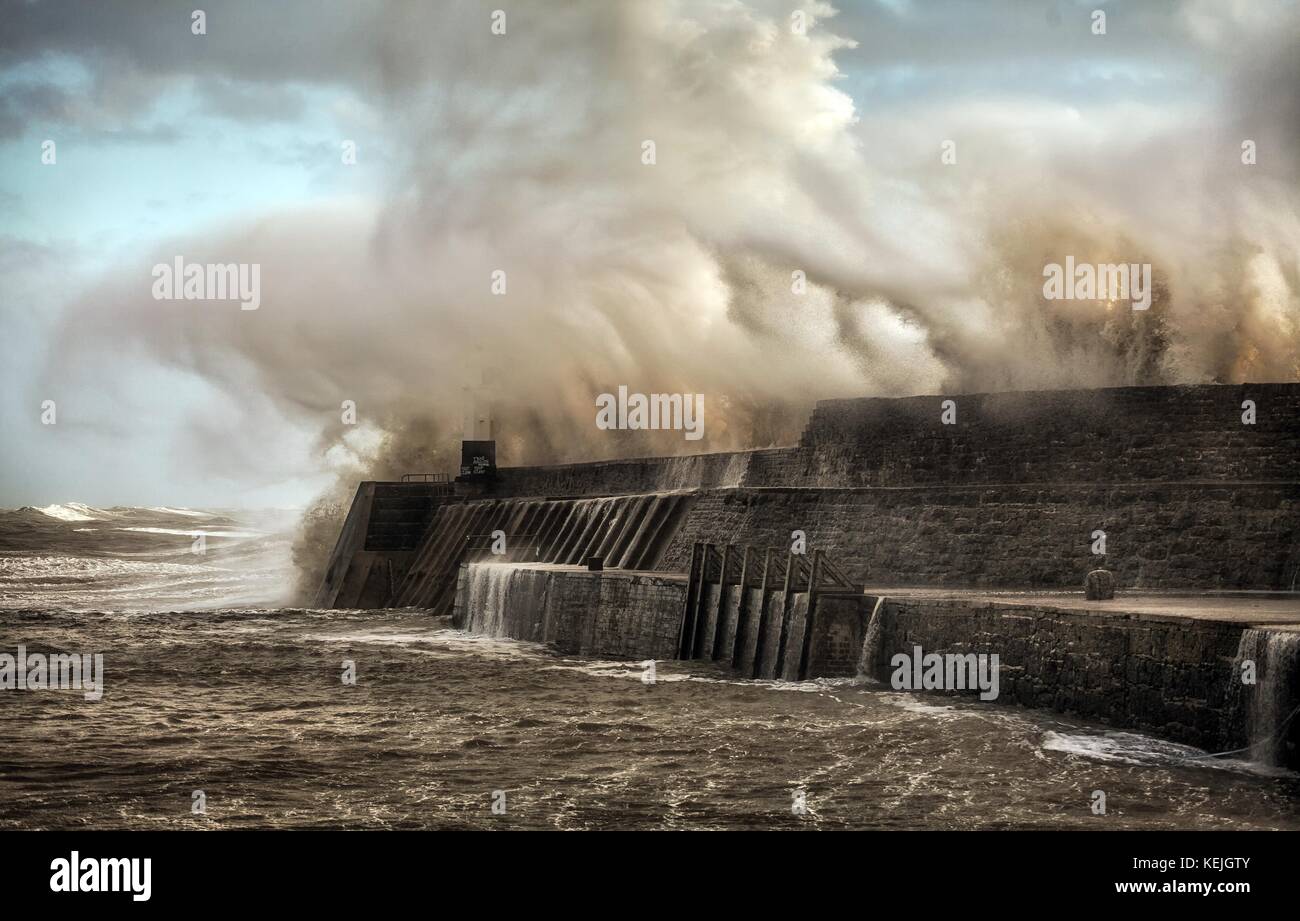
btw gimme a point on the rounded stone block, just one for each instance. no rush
(1099, 585)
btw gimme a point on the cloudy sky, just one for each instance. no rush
(789, 136)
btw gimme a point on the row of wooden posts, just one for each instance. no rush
(792, 572)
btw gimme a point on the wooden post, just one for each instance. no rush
(720, 622)
(810, 621)
(791, 562)
(762, 615)
(686, 632)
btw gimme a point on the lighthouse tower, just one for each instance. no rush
(478, 450)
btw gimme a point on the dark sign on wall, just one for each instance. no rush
(478, 459)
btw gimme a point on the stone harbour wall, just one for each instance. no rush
(1111, 435)
(1158, 535)
(1107, 435)
(1172, 678)
(610, 614)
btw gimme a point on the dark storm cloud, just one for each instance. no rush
(250, 40)
(24, 104)
(250, 66)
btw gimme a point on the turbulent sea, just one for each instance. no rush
(211, 685)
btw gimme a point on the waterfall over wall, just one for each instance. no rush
(628, 532)
(504, 599)
(609, 614)
(871, 641)
(1268, 707)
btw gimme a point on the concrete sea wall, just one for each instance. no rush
(1168, 677)
(1108, 435)
(1158, 535)
(614, 614)
(1173, 677)
(1188, 495)
(636, 615)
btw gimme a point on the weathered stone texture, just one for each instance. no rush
(1099, 585)
(1109, 435)
(1112, 435)
(1031, 535)
(1167, 677)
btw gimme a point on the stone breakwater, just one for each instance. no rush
(1171, 489)
(1177, 677)
(1108, 435)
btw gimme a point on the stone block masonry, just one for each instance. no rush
(635, 615)
(611, 614)
(1033, 535)
(1174, 677)
(1108, 435)
(1188, 495)
(1111, 435)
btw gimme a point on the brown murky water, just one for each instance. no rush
(250, 708)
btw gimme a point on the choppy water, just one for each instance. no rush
(249, 707)
(79, 558)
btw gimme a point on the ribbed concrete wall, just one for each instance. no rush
(629, 532)
(637, 615)
(377, 543)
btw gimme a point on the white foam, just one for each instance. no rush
(194, 532)
(1133, 748)
(73, 511)
(187, 512)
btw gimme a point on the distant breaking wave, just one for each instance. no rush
(142, 559)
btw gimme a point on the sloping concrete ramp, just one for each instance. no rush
(629, 532)
(377, 543)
